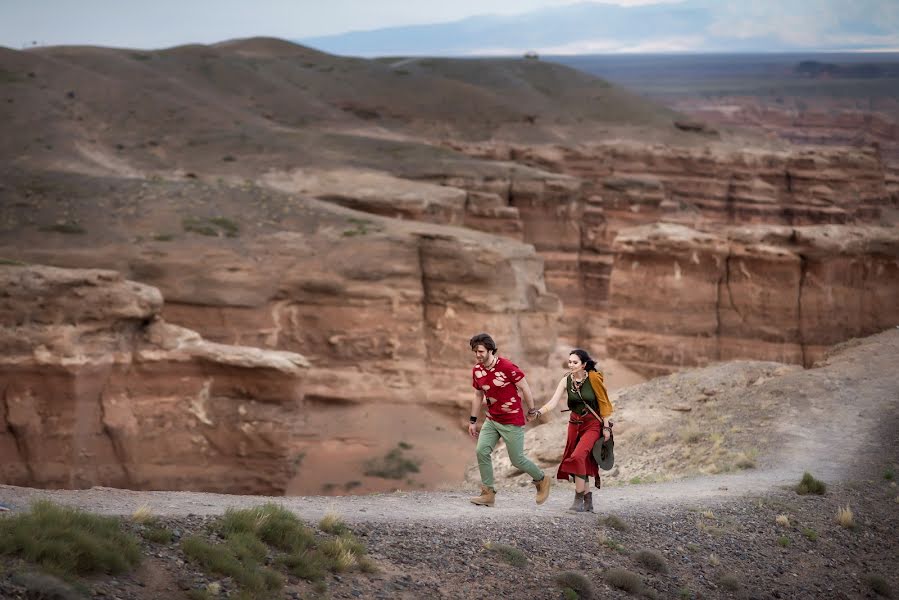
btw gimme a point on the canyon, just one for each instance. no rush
(308, 263)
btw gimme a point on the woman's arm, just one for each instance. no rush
(560, 391)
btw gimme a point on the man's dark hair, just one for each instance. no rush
(482, 339)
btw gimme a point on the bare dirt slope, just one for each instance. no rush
(717, 534)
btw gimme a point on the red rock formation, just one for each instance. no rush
(98, 390)
(614, 186)
(681, 297)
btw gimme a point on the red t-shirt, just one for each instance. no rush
(498, 385)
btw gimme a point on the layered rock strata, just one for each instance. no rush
(97, 389)
(574, 217)
(680, 297)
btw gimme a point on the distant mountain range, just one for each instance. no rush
(687, 26)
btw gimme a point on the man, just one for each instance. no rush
(503, 385)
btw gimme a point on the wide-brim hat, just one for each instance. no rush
(604, 453)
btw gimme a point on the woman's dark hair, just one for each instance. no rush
(589, 363)
(482, 339)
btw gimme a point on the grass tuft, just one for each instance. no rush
(624, 580)
(810, 534)
(70, 228)
(652, 560)
(729, 582)
(614, 522)
(69, 541)
(509, 554)
(810, 485)
(331, 523)
(271, 523)
(782, 520)
(783, 541)
(577, 583)
(845, 517)
(879, 585)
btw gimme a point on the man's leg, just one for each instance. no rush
(487, 440)
(513, 435)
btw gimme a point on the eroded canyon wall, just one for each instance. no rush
(682, 298)
(97, 389)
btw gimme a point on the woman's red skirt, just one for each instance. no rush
(583, 431)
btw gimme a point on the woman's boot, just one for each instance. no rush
(578, 505)
(588, 502)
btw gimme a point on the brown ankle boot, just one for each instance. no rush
(578, 505)
(588, 502)
(542, 489)
(487, 497)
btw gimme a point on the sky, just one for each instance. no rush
(164, 23)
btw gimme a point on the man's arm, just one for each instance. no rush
(525, 391)
(475, 410)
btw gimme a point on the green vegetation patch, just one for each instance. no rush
(70, 228)
(69, 541)
(624, 580)
(577, 583)
(262, 545)
(393, 465)
(652, 560)
(212, 227)
(810, 485)
(509, 554)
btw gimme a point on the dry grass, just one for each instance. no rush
(143, 514)
(845, 517)
(714, 560)
(782, 520)
(331, 523)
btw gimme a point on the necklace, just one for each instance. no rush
(492, 364)
(577, 385)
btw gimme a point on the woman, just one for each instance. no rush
(590, 410)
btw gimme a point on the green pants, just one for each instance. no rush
(513, 435)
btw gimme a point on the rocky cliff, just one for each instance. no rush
(98, 389)
(680, 297)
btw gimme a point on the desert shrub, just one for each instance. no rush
(71, 228)
(509, 554)
(879, 585)
(577, 583)
(393, 465)
(729, 582)
(624, 580)
(69, 541)
(810, 485)
(614, 522)
(652, 560)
